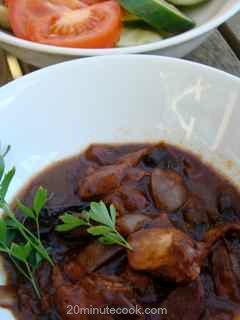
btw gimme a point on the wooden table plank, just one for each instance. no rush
(234, 25)
(216, 53)
(5, 75)
(231, 32)
(27, 68)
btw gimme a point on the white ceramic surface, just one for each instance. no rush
(208, 16)
(60, 110)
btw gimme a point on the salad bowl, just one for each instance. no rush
(208, 15)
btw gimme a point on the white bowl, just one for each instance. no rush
(208, 16)
(60, 110)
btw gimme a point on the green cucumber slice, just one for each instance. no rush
(132, 21)
(186, 2)
(137, 36)
(129, 17)
(137, 24)
(161, 15)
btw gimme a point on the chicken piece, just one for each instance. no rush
(171, 253)
(96, 254)
(115, 199)
(132, 198)
(226, 283)
(185, 303)
(194, 211)
(90, 259)
(93, 291)
(168, 189)
(127, 199)
(166, 252)
(135, 174)
(216, 233)
(142, 284)
(160, 156)
(136, 279)
(108, 178)
(221, 309)
(130, 223)
(102, 154)
(161, 221)
(68, 294)
(102, 181)
(132, 159)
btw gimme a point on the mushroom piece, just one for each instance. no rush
(171, 253)
(168, 189)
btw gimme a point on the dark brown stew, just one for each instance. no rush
(180, 216)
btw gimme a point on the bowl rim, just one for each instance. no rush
(157, 45)
(122, 58)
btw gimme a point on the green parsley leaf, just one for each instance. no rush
(99, 213)
(21, 252)
(39, 200)
(35, 259)
(99, 230)
(25, 257)
(70, 222)
(11, 236)
(27, 212)
(109, 239)
(3, 230)
(2, 163)
(113, 214)
(6, 182)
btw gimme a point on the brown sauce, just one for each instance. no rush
(207, 201)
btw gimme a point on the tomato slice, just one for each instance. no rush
(6, 2)
(67, 23)
(90, 2)
(22, 12)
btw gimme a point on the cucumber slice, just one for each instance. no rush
(161, 15)
(137, 24)
(128, 17)
(132, 21)
(137, 36)
(186, 2)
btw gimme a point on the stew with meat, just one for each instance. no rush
(181, 220)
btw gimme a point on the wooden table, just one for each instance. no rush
(221, 50)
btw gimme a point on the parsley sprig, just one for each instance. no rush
(98, 213)
(23, 247)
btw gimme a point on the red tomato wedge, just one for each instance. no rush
(90, 2)
(67, 23)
